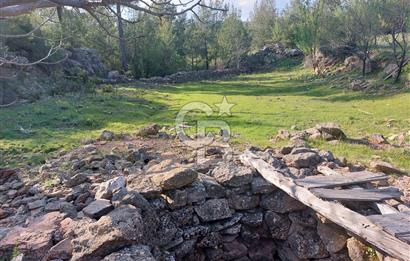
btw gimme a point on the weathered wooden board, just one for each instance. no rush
(397, 224)
(357, 194)
(382, 207)
(357, 224)
(340, 180)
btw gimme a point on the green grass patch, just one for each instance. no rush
(265, 103)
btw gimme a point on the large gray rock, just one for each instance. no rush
(333, 130)
(106, 189)
(261, 186)
(98, 208)
(212, 187)
(306, 244)
(124, 197)
(278, 225)
(120, 228)
(132, 253)
(87, 59)
(280, 202)
(232, 174)
(145, 186)
(303, 160)
(332, 236)
(176, 178)
(213, 209)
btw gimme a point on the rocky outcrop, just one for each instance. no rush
(268, 57)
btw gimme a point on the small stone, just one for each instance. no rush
(213, 188)
(183, 216)
(176, 198)
(107, 135)
(69, 209)
(37, 204)
(252, 219)
(264, 250)
(233, 175)
(184, 249)
(150, 130)
(52, 206)
(195, 232)
(385, 167)
(211, 240)
(234, 230)
(280, 202)
(378, 139)
(333, 129)
(213, 209)
(260, 186)
(62, 250)
(196, 193)
(5, 213)
(356, 249)
(234, 249)
(224, 224)
(133, 198)
(286, 150)
(98, 208)
(175, 178)
(243, 202)
(76, 180)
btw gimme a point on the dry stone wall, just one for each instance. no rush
(145, 205)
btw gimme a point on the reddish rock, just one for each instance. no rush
(33, 241)
(5, 174)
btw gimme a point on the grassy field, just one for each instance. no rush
(265, 103)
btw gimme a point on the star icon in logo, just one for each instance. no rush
(225, 107)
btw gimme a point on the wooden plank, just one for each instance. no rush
(357, 224)
(357, 194)
(397, 224)
(382, 207)
(340, 180)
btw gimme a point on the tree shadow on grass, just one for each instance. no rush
(273, 88)
(72, 117)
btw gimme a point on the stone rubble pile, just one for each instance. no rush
(142, 204)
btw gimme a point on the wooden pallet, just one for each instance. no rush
(380, 231)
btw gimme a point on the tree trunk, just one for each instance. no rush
(121, 41)
(60, 14)
(192, 63)
(206, 55)
(364, 66)
(400, 69)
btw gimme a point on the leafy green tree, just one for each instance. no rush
(362, 26)
(262, 23)
(396, 23)
(233, 39)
